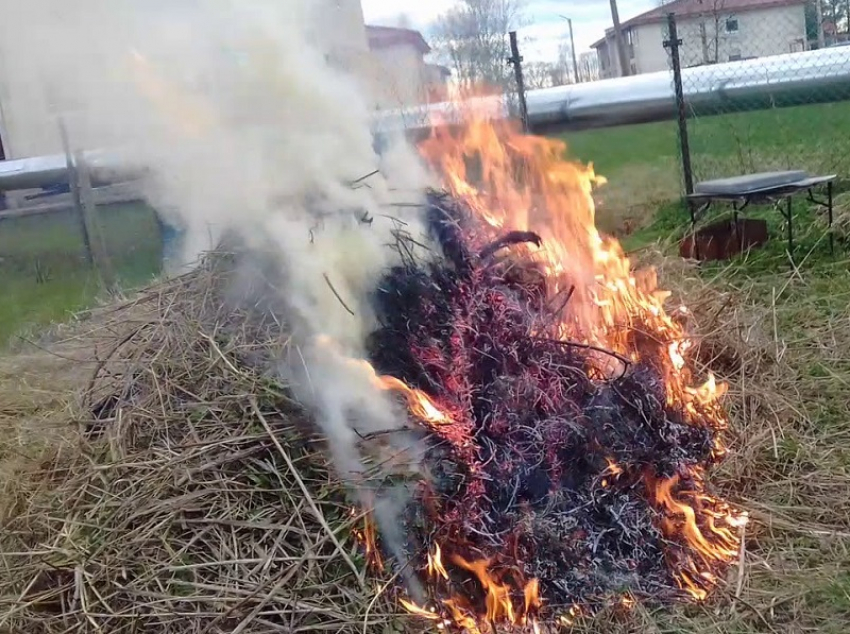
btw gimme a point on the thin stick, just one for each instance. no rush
(310, 501)
(587, 346)
(363, 178)
(333, 290)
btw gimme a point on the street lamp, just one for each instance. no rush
(572, 46)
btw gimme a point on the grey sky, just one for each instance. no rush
(546, 29)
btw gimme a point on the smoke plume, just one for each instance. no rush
(243, 127)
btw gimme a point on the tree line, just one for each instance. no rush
(471, 39)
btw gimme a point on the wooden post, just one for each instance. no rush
(94, 230)
(516, 60)
(82, 193)
(73, 183)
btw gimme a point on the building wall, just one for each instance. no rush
(760, 33)
(400, 77)
(339, 27)
(396, 76)
(27, 114)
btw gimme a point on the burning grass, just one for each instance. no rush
(164, 521)
(563, 476)
(571, 421)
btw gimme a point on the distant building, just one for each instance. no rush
(389, 63)
(401, 76)
(712, 32)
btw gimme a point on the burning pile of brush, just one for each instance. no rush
(568, 444)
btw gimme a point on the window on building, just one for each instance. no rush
(629, 37)
(734, 57)
(731, 25)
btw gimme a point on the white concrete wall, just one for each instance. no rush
(762, 32)
(650, 54)
(27, 120)
(399, 76)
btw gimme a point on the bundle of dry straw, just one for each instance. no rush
(191, 494)
(195, 497)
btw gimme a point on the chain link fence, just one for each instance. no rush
(765, 86)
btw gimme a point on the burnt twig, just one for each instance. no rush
(333, 290)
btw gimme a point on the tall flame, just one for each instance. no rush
(518, 182)
(612, 306)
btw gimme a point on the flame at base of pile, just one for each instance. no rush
(568, 444)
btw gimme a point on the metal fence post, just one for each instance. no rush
(673, 43)
(516, 61)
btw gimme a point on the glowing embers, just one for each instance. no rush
(567, 436)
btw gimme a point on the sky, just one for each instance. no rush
(546, 28)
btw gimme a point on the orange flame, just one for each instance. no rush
(498, 601)
(532, 600)
(611, 304)
(435, 564)
(715, 543)
(417, 611)
(518, 182)
(370, 539)
(367, 536)
(417, 401)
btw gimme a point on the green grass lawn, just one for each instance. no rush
(643, 166)
(44, 275)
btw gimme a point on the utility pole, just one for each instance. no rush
(618, 41)
(572, 48)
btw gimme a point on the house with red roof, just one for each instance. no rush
(712, 32)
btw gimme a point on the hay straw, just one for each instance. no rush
(179, 512)
(195, 498)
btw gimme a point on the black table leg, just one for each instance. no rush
(829, 211)
(693, 212)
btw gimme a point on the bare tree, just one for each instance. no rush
(588, 66)
(836, 13)
(710, 28)
(563, 71)
(542, 75)
(471, 38)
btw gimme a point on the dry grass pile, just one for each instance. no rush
(840, 216)
(191, 496)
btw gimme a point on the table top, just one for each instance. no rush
(754, 185)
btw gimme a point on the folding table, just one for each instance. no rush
(773, 188)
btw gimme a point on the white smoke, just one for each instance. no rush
(244, 127)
